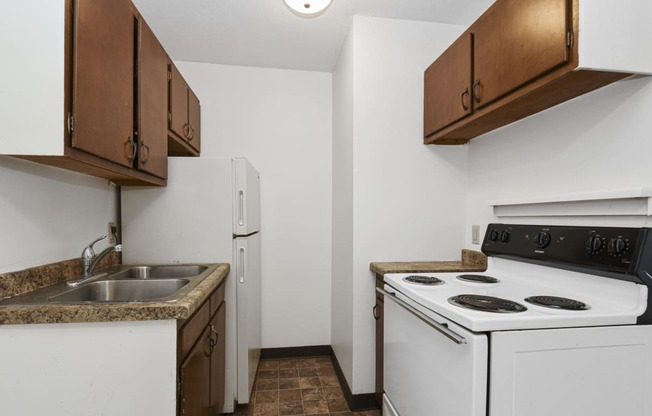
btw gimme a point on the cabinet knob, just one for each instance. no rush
(376, 316)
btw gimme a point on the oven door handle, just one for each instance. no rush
(441, 328)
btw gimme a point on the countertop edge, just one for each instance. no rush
(471, 261)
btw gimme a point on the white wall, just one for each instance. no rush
(49, 214)
(281, 121)
(342, 260)
(599, 141)
(408, 199)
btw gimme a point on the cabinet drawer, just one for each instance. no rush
(217, 298)
(192, 329)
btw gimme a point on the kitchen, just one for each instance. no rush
(355, 150)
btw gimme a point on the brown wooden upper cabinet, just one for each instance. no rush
(152, 106)
(93, 90)
(183, 117)
(448, 86)
(523, 56)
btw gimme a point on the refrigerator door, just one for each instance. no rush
(246, 209)
(248, 299)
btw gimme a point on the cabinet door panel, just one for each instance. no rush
(194, 120)
(195, 374)
(447, 84)
(152, 94)
(103, 79)
(218, 360)
(517, 42)
(178, 104)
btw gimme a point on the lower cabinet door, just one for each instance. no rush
(194, 376)
(218, 360)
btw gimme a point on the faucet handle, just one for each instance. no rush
(88, 252)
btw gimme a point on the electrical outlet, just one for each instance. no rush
(475, 234)
(113, 233)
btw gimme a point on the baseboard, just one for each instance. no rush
(356, 402)
(297, 352)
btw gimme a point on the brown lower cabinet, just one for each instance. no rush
(201, 355)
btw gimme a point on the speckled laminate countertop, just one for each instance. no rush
(472, 261)
(178, 309)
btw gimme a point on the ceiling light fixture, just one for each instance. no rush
(308, 7)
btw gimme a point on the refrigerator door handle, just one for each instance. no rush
(242, 265)
(241, 207)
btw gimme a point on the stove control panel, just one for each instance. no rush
(622, 253)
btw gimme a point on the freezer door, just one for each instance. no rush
(248, 299)
(246, 210)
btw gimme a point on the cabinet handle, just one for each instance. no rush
(186, 131)
(212, 343)
(133, 146)
(144, 152)
(477, 89)
(376, 316)
(191, 132)
(465, 104)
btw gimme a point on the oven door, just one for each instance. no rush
(602, 371)
(431, 365)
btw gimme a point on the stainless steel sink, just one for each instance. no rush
(121, 291)
(159, 272)
(160, 283)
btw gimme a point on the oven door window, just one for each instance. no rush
(602, 371)
(425, 372)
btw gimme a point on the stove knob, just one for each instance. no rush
(542, 240)
(617, 246)
(594, 244)
(504, 236)
(493, 235)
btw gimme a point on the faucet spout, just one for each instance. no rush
(98, 258)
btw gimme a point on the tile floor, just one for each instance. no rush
(302, 386)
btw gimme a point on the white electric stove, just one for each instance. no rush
(559, 323)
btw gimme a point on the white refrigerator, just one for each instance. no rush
(208, 213)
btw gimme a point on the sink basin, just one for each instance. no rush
(159, 272)
(127, 283)
(121, 291)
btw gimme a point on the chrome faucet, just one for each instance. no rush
(90, 260)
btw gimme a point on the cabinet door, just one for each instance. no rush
(447, 83)
(518, 41)
(194, 374)
(178, 104)
(218, 360)
(152, 104)
(379, 311)
(194, 121)
(103, 79)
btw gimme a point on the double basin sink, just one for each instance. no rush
(122, 284)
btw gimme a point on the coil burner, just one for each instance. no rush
(486, 303)
(424, 280)
(557, 302)
(477, 278)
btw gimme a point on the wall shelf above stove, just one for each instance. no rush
(622, 202)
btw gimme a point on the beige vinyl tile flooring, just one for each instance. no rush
(301, 386)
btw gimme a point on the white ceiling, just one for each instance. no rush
(265, 33)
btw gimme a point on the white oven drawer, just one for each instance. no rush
(426, 373)
(603, 371)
